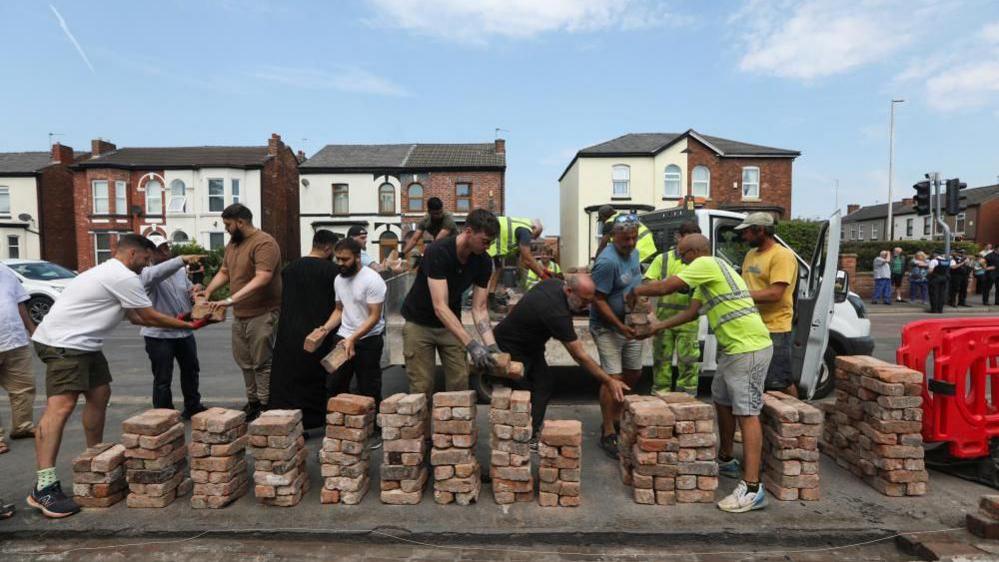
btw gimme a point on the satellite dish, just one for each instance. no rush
(24, 217)
(305, 182)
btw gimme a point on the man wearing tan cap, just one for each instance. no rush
(771, 272)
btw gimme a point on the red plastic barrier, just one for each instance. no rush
(956, 400)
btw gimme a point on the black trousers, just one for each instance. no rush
(538, 380)
(366, 364)
(990, 281)
(162, 353)
(938, 292)
(958, 290)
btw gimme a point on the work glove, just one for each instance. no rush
(480, 355)
(198, 324)
(494, 349)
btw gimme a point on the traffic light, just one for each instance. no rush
(956, 201)
(922, 197)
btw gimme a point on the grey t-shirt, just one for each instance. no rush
(433, 228)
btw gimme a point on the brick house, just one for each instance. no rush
(31, 182)
(180, 192)
(385, 187)
(645, 171)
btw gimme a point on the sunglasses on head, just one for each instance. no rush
(624, 219)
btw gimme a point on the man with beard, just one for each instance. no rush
(360, 294)
(249, 266)
(307, 297)
(543, 313)
(771, 272)
(69, 341)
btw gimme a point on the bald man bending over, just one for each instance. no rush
(543, 313)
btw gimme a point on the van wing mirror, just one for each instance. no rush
(842, 288)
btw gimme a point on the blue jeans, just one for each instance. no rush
(918, 291)
(882, 291)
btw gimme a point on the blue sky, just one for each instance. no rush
(556, 75)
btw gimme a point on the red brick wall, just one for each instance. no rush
(83, 208)
(56, 220)
(442, 185)
(775, 179)
(279, 198)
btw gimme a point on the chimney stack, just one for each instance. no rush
(274, 144)
(500, 146)
(852, 208)
(301, 156)
(62, 154)
(908, 202)
(101, 146)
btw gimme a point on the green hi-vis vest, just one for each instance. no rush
(645, 245)
(506, 242)
(732, 314)
(672, 304)
(532, 279)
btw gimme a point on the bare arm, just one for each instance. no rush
(578, 353)
(480, 315)
(605, 311)
(219, 280)
(413, 240)
(150, 317)
(29, 325)
(528, 259)
(439, 296)
(260, 279)
(773, 293)
(680, 318)
(666, 286)
(374, 315)
(442, 234)
(334, 320)
(603, 243)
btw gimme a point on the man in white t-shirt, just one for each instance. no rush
(360, 294)
(69, 341)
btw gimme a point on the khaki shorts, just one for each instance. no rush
(738, 382)
(72, 370)
(617, 353)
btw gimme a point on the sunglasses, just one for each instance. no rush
(626, 219)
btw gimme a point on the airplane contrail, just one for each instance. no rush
(69, 34)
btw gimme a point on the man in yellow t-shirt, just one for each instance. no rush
(771, 272)
(744, 355)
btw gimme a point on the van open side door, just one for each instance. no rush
(814, 308)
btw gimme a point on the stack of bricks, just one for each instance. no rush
(403, 419)
(279, 454)
(985, 523)
(99, 476)
(560, 449)
(456, 470)
(510, 436)
(218, 458)
(638, 316)
(791, 431)
(874, 427)
(345, 457)
(157, 458)
(697, 467)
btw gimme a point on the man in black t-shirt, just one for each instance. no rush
(432, 308)
(543, 313)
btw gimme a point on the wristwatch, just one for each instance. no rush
(228, 301)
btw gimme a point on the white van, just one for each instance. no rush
(829, 320)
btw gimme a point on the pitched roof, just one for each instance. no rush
(181, 157)
(23, 163)
(406, 156)
(974, 196)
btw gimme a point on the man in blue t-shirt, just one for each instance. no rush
(616, 272)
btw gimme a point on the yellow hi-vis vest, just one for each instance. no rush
(666, 265)
(532, 279)
(731, 312)
(506, 242)
(645, 245)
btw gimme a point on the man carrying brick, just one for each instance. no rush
(543, 313)
(771, 272)
(360, 295)
(432, 308)
(16, 375)
(437, 223)
(250, 268)
(743, 358)
(514, 239)
(69, 342)
(616, 272)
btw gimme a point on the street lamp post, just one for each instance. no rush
(891, 167)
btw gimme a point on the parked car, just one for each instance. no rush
(43, 280)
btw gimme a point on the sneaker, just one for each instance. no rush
(742, 500)
(376, 440)
(188, 414)
(533, 444)
(609, 444)
(52, 501)
(731, 468)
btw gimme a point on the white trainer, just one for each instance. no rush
(742, 500)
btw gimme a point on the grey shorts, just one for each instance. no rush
(779, 374)
(738, 382)
(617, 353)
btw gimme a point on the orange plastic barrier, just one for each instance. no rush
(959, 359)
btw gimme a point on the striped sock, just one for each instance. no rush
(46, 477)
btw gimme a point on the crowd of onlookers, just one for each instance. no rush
(936, 279)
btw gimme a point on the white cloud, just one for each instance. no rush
(72, 38)
(475, 21)
(990, 33)
(344, 78)
(821, 38)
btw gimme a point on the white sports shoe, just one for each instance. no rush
(742, 500)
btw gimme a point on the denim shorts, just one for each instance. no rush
(738, 382)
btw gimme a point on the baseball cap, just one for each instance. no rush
(756, 219)
(356, 230)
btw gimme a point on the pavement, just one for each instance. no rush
(849, 511)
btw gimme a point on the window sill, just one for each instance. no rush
(752, 199)
(672, 198)
(620, 198)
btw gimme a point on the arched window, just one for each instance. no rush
(154, 197)
(341, 199)
(180, 237)
(387, 242)
(621, 181)
(386, 199)
(701, 182)
(414, 193)
(178, 197)
(671, 182)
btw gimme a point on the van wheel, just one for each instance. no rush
(827, 375)
(38, 307)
